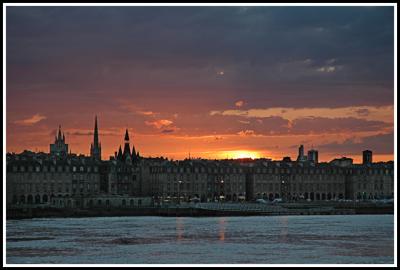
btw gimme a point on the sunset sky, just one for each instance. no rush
(213, 81)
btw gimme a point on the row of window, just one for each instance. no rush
(272, 170)
(30, 187)
(195, 170)
(300, 186)
(49, 176)
(52, 169)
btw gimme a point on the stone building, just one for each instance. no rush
(124, 171)
(40, 178)
(205, 180)
(294, 181)
(59, 177)
(370, 181)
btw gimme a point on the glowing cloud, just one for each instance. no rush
(239, 103)
(246, 132)
(146, 113)
(31, 121)
(239, 154)
(159, 123)
(382, 113)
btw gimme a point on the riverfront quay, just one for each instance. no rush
(208, 210)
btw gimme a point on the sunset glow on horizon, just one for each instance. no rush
(204, 82)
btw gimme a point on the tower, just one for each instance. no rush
(95, 147)
(312, 156)
(59, 147)
(301, 156)
(367, 157)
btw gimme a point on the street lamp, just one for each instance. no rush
(222, 188)
(179, 191)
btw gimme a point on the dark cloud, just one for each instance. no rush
(90, 133)
(167, 130)
(363, 112)
(379, 144)
(260, 48)
(69, 63)
(80, 133)
(335, 125)
(274, 125)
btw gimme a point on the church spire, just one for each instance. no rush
(126, 135)
(59, 132)
(119, 156)
(96, 133)
(59, 148)
(95, 147)
(127, 150)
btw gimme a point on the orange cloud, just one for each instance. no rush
(31, 121)
(246, 132)
(159, 123)
(239, 103)
(382, 113)
(146, 112)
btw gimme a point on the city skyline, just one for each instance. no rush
(214, 82)
(95, 150)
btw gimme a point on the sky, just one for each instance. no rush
(212, 82)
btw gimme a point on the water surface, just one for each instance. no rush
(268, 240)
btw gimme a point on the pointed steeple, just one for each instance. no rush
(96, 133)
(59, 148)
(59, 132)
(126, 135)
(119, 153)
(127, 150)
(95, 147)
(133, 152)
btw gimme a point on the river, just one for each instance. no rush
(347, 239)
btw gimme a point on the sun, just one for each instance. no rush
(241, 154)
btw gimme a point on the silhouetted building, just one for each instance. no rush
(301, 157)
(312, 155)
(59, 148)
(367, 157)
(95, 147)
(63, 179)
(342, 162)
(287, 159)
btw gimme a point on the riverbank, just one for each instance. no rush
(205, 210)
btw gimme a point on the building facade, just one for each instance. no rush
(68, 180)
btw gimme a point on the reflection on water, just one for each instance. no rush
(179, 228)
(358, 239)
(221, 233)
(284, 228)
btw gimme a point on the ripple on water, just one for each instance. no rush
(293, 239)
